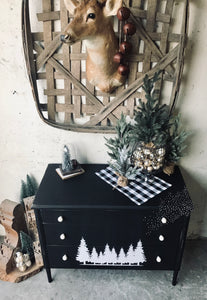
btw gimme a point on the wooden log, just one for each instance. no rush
(13, 221)
(16, 276)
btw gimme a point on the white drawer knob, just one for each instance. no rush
(64, 258)
(62, 236)
(60, 219)
(164, 220)
(161, 238)
(158, 259)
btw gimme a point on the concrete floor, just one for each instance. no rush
(118, 284)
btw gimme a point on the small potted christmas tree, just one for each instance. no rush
(155, 132)
(121, 151)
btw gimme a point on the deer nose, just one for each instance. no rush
(65, 38)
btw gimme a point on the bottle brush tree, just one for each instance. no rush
(26, 244)
(28, 188)
(66, 160)
(120, 152)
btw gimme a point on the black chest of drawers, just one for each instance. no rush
(83, 223)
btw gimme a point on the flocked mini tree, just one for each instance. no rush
(28, 188)
(120, 152)
(26, 245)
(66, 160)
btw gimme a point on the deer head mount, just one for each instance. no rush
(92, 24)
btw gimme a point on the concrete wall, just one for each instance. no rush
(27, 144)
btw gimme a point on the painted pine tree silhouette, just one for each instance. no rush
(100, 258)
(83, 252)
(139, 252)
(130, 257)
(109, 256)
(121, 257)
(94, 256)
(113, 256)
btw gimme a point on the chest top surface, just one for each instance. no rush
(89, 191)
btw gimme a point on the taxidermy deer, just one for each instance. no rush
(92, 23)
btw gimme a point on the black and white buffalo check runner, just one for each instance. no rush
(138, 190)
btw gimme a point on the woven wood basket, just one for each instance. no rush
(63, 96)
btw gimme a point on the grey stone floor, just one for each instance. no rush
(118, 284)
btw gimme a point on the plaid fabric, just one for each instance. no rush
(138, 190)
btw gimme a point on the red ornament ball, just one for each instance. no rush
(129, 28)
(125, 47)
(123, 70)
(118, 58)
(123, 13)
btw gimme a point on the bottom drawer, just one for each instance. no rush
(148, 257)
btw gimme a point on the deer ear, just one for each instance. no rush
(111, 7)
(71, 5)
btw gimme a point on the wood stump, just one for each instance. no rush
(12, 218)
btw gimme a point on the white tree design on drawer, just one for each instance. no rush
(139, 252)
(107, 255)
(94, 256)
(83, 254)
(100, 258)
(121, 257)
(132, 257)
(113, 256)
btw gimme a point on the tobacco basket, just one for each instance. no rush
(63, 96)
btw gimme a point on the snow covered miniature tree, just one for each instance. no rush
(121, 151)
(66, 160)
(28, 188)
(26, 244)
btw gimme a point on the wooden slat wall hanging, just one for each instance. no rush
(56, 71)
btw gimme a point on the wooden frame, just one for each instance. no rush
(82, 107)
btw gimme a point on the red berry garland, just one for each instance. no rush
(123, 13)
(129, 28)
(119, 58)
(125, 47)
(123, 70)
